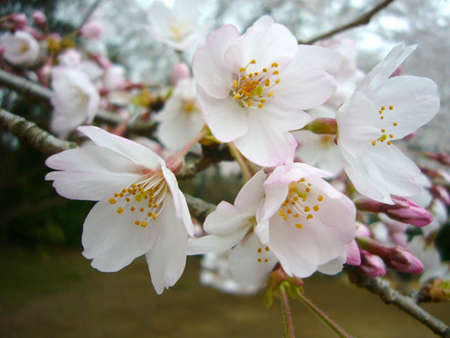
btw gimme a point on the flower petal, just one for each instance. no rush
(334, 266)
(132, 150)
(167, 257)
(250, 262)
(213, 243)
(226, 119)
(91, 173)
(208, 64)
(112, 239)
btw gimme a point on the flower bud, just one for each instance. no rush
(353, 254)
(322, 125)
(92, 29)
(371, 265)
(404, 210)
(180, 71)
(19, 21)
(40, 19)
(361, 230)
(440, 192)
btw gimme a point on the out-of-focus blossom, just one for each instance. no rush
(19, 21)
(140, 211)
(92, 29)
(40, 19)
(371, 265)
(253, 88)
(75, 100)
(114, 77)
(180, 27)
(70, 58)
(20, 47)
(180, 71)
(181, 119)
(382, 110)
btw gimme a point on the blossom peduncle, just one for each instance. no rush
(254, 88)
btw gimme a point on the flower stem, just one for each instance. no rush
(237, 155)
(332, 325)
(188, 146)
(288, 327)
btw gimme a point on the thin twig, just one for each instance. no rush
(36, 137)
(383, 288)
(362, 20)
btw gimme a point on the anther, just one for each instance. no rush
(262, 101)
(383, 130)
(112, 201)
(274, 65)
(249, 103)
(309, 216)
(299, 226)
(374, 143)
(265, 70)
(259, 250)
(307, 209)
(259, 260)
(266, 260)
(253, 61)
(242, 70)
(391, 136)
(267, 248)
(270, 94)
(389, 143)
(383, 108)
(143, 224)
(320, 198)
(141, 209)
(391, 107)
(278, 81)
(395, 124)
(316, 208)
(276, 72)
(120, 210)
(132, 209)
(137, 222)
(260, 105)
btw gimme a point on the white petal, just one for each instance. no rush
(167, 258)
(91, 173)
(334, 266)
(215, 243)
(132, 150)
(226, 119)
(208, 63)
(114, 240)
(266, 42)
(380, 74)
(248, 265)
(305, 84)
(414, 102)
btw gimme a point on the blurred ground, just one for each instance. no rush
(55, 293)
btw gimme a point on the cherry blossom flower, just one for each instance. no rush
(140, 211)
(75, 100)
(180, 27)
(382, 110)
(181, 119)
(20, 48)
(304, 221)
(252, 89)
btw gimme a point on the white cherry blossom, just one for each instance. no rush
(20, 47)
(141, 210)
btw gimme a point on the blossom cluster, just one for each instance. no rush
(308, 128)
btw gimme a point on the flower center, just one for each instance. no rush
(177, 31)
(253, 89)
(300, 203)
(79, 96)
(326, 141)
(145, 198)
(384, 135)
(190, 106)
(25, 48)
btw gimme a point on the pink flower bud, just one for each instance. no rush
(371, 265)
(39, 18)
(361, 230)
(92, 29)
(175, 163)
(404, 210)
(19, 21)
(353, 254)
(408, 264)
(440, 192)
(180, 71)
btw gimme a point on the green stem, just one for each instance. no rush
(188, 146)
(287, 319)
(237, 155)
(332, 325)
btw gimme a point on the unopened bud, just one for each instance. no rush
(440, 192)
(322, 125)
(353, 254)
(441, 157)
(19, 21)
(175, 163)
(361, 230)
(92, 29)
(180, 71)
(438, 291)
(404, 210)
(39, 18)
(371, 265)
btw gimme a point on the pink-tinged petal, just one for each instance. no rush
(91, 173)
(356, 121)
(266, 42)
(381, 73)
(113, 240)
(167, 257)
(19, 48)
(262, 228)
(398, 174)
(181, 207)
(250, 262)
(281, 175)
(251, 194)
(334, 266)
(226, 119)
(63, 123)
(215, 243)
(264, 143)
(129, 149)
(353, 254)
(305, 84)
(296, 249)
(275, 195)
(227, 219)
(413, 101)
(208, 64)
(366, 177)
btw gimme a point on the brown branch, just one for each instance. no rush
(36, 92)
(36, 137)
(198, 208)
(362, 20)
(383, 288)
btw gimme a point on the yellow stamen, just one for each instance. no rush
(120, 210)
(309, 216)
(299, 226)
(112, 201)
(316, 208)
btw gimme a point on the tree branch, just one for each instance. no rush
(382, 288)
(199, 208)
(362, 20)
(36, 137)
